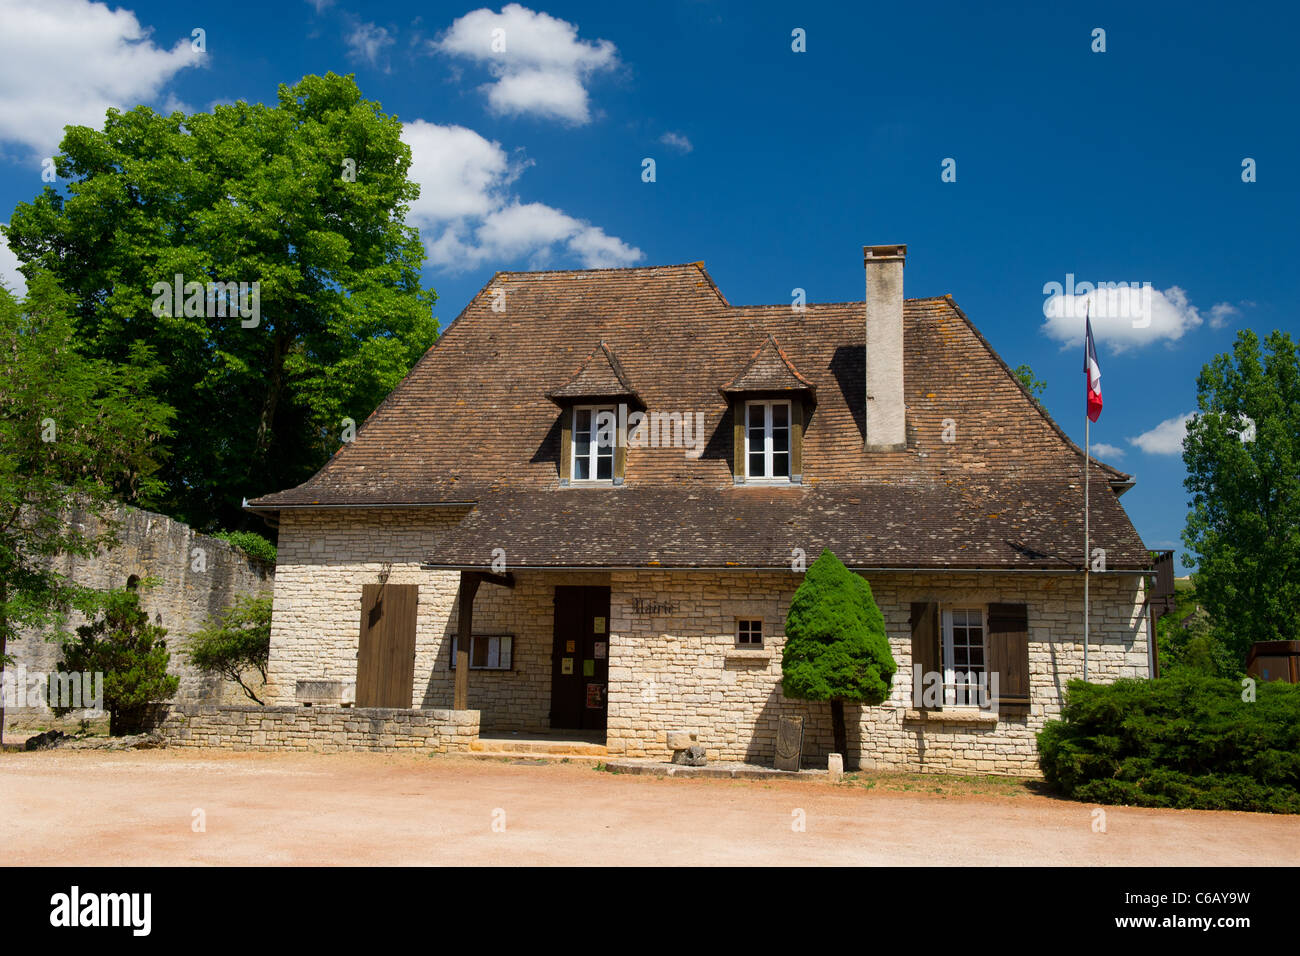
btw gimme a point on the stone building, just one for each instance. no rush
(587, 507)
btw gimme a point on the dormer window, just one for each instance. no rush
(595, 431)
(770, 404)
(767, 441)
(595, 403)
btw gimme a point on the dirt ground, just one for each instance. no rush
(89, 808)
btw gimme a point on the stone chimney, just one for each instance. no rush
(886, 425)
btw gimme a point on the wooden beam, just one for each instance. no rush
(506, 580)
(469, 582)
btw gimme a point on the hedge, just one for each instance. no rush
(1183, 741)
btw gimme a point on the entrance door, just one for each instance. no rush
(580, 658)
(386, 649)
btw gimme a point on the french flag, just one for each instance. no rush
(1093, 371)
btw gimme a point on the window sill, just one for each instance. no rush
(961, 715)
(748, 653)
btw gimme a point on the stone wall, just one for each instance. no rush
(682, 671)
(197, 576)
(322, 729)
(324, 559)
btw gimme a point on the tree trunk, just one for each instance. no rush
(841, 732)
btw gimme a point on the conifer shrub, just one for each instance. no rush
(1186, 741)
(835, 644)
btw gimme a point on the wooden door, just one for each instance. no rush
(386, 649)
(580, 658)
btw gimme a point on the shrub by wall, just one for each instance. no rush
(1182, 741)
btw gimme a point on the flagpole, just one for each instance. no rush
(1087, 453)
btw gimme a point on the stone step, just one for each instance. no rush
(534, 747)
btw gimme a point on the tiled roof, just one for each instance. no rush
(601, 376)
(960, 524)
(769, 370)
(473, 419)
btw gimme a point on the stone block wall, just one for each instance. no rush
(682, 671)
(324, 559)
(197, 576)
(321, 729)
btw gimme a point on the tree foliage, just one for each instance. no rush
(132, 655)
(253, 193)
(236, 642)
(1034, 385)
(1242, 453)
(76, 435)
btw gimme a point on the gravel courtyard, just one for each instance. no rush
(258, 809)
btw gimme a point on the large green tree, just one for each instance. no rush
(306, 197)
(836, 649)
(76, 435)
(1242, 453)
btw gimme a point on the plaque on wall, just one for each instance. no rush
(789, 743)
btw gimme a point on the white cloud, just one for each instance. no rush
(676, 141)
(10, 277)
(66, 62)
(1222, 313)
(1122, 318)
(1102, 450)
(538, 64)
(1166, 438)
(468, 213)
(367, 41)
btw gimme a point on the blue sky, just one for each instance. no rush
(775, 167)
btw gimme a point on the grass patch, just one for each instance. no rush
(944, 784)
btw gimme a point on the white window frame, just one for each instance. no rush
(768, 451)
(502, 644)
(950, 696)
(594, 450)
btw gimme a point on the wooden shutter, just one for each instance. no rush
(927, 652)
(1008, 656)
(386, 647)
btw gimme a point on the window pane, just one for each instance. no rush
(780, 416)
(780, 439)
(582, 420)
(581, 468)
(756, 468)
(605, 467)
(781, 465)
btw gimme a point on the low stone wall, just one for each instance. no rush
(321, 729)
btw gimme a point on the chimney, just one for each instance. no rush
(886, 426)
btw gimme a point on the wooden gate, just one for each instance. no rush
(386, 650)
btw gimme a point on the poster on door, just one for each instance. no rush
(595, 696)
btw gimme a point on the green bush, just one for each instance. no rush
(251, 543)
(236, 642)
(1185, 741)
(130, 653)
